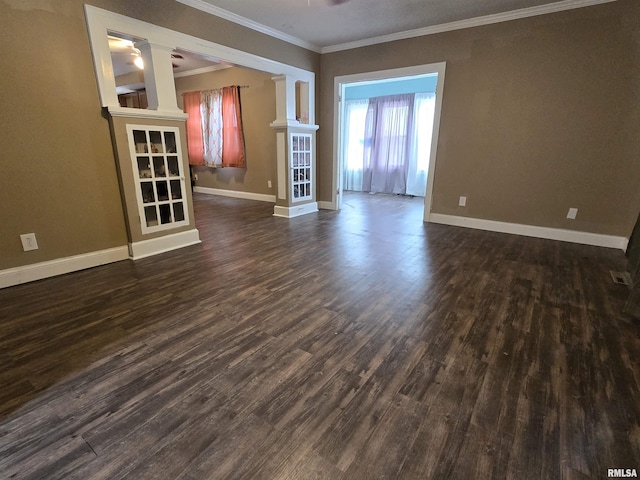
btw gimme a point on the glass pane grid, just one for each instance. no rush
(301, 167)
(158, 169)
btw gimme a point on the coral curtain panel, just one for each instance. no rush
(195, 146)
(233, 152)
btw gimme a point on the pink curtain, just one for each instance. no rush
(233, 153)
(386, 144)
(195, 145)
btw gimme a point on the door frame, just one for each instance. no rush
(341, 82)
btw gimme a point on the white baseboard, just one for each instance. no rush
(60, 266)
(586, 238)
(327, 205)
(290, 212)
(235, 194)
(154, 246)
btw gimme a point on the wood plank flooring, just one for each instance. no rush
(360, 344)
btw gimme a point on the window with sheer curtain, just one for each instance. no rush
(215, 136)
(387, 143)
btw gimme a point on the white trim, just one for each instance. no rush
(327, 206)
(60, 266)
(468, 23)
(381, 75)
(281, 167)
(100, 22)
(261, 197)
(290, 212)
(276, 125)
(154, 246)
(586, 238)
(245, 22)
(177, 115)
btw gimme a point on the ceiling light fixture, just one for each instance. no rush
(137, 61)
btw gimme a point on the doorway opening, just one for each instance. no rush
(386, 130)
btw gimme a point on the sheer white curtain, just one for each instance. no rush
(355, 112)
(387, 143)
(423, 112)
(211, 112)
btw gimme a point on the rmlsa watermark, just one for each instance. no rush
(622, 473)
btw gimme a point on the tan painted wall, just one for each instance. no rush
(258, 110)
(58, 174)
(58, 177)
(538, 115)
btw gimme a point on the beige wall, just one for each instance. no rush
(538, 115)
(58, 174)
(258, 110)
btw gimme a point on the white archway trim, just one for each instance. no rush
(339, 85)
(100, 22)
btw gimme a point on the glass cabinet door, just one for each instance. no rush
(301, 168)
(159, 177)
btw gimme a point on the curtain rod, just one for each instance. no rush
(239, 86)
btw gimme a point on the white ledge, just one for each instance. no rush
(168, 114)
(278, 124)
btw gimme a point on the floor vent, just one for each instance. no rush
(621, 278)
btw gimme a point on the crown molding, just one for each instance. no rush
(469, 23)
(245, 22)
(418, 32)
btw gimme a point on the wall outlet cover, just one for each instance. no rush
(29, 242)
(462, 202)
(572, 213)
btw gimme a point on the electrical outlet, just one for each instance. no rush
(29, 242)
(269, 183)
(462, 202)
(572, 213)
(195, 177)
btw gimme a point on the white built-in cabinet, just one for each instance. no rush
(301, 180)
(159, 177)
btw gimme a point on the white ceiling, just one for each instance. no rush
(331, 25)
(322, 24)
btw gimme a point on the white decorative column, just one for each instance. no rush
(307, 113)
(295, 162)
(285, 100)
(158, 77)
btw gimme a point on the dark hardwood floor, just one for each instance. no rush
(362, 344)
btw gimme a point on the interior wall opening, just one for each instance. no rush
(387, 129)
(163, 52)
